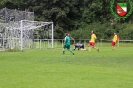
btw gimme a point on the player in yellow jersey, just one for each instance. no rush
(92, 41)
(114, 40)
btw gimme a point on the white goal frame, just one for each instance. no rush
(20, 34)
(34, 25)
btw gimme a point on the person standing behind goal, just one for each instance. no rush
(92, 41)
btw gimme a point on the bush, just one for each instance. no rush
(104, 31)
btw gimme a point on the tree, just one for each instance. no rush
(63, 13)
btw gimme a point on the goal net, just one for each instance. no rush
(21, 34)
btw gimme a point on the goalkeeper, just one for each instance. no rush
(79, 46)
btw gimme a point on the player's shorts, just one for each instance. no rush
(91, 43)
(66, 46)
(82, 46)
(113, 43)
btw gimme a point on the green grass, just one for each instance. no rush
(48, 68)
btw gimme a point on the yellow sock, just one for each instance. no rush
(89, 49)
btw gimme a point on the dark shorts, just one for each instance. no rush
(80, 46)
(66, 46)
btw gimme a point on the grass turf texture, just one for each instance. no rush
(48, 68)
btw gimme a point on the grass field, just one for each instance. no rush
(48, 68)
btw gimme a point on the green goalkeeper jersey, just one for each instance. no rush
(67, 40)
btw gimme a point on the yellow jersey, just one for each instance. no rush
(93, 37)
(114, 38)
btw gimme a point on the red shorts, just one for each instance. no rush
(113, 43)
(91, 43)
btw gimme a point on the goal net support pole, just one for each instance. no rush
(52, 35)
(21, 36)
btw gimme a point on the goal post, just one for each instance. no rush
(17, 30)
(21, 34)
(27, 25)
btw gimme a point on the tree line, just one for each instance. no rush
(78, 17)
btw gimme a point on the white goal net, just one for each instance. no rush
(21, 34)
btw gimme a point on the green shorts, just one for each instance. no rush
(66, 46)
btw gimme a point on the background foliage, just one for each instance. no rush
(77, 17)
